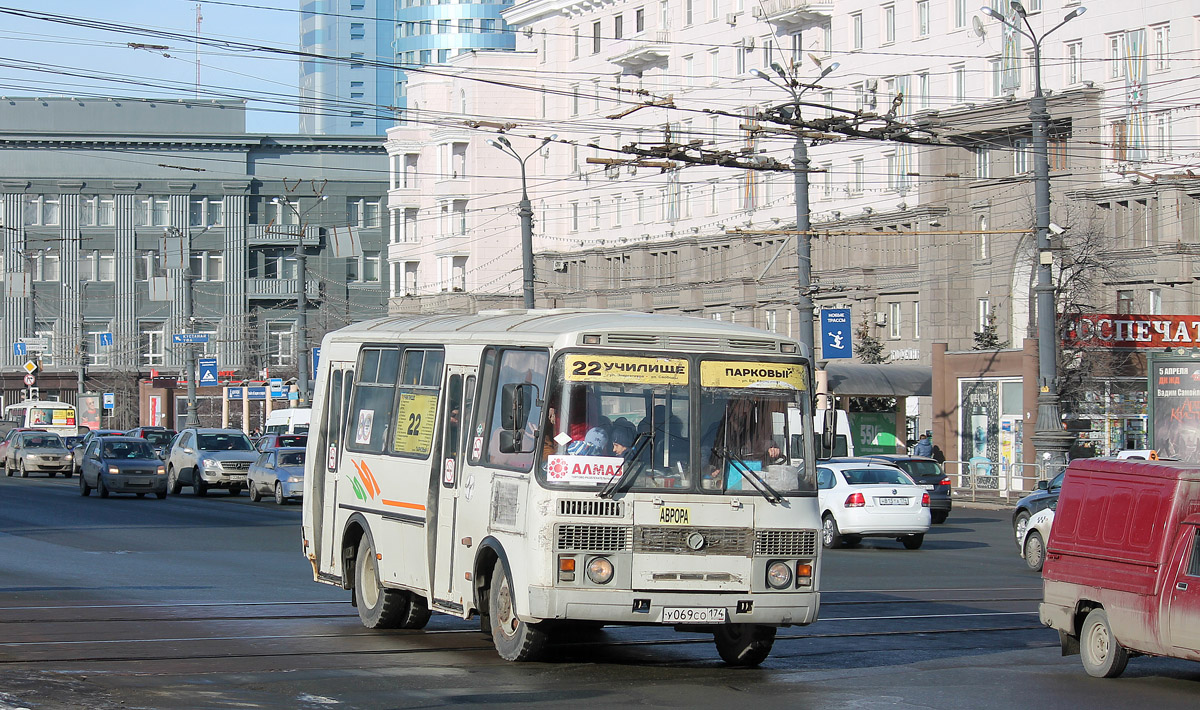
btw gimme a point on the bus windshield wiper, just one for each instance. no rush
(625, 471)
(756, 480)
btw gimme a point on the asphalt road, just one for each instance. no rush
(208, 603)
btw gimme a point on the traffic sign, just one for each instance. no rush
(316, 359)
(835, 333)
(208, 371)
(106, 340)
(234, 392)
(189, 338)
(37, 344)
(110, 400)
(30, 380)
(30, 366)
(19, 350)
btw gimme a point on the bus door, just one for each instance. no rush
(325, 468)
(444, 552)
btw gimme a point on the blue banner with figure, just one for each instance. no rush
(835, 333)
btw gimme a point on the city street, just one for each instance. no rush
(207, 603)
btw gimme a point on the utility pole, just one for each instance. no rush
(302, 353)
(189, 352)
(525, 211)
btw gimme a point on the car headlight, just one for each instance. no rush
(31, 457)
(68, 457)
(161, 470)
(295, 479)
(209, 463)
(600, 570)
(113, 470)
(779, 575)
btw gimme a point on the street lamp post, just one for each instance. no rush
(1049, 438)
(800, 170)
(525, 211)
(301, 301)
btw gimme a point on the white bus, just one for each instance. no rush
(58, 417)
(549, 469)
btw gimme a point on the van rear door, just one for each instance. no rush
(1184, 592)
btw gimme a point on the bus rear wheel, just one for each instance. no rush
(378, 606)
(515, 640)
(744, 644)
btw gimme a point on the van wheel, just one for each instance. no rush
(744, 644)
(830, 537)
(1035, 551)
(1103, 656)
(378, 607)
(515, 640)
(173, 484)
(912, 542)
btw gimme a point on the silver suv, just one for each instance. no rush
(209, 458)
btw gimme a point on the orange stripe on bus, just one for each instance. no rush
(402, 504)
(369, 477)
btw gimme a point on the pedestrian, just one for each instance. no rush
(924, 447)
(937, 455)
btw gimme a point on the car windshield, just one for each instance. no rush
(291, 458)
(224, 442)
(292, 440)
(41, 441)
(157, 437)
(128, 450)
(921, 468)
(867, 476)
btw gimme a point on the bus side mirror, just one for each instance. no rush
(828, 432)
(515, 403)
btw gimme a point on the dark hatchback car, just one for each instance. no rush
(926, 473)
(1046, 496)
(159, 437)
(88, 438)
(122, 464)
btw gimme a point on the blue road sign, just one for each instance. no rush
(835, 333)
(316, 358)
(19, 350)
(110, 400)
(256, 393)
(234, 393)
(208, 371)
(275, 383)
(189, 338)
(106, 340)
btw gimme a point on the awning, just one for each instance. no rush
(852, 379)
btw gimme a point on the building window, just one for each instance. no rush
(1162, 133)
(148, 265)
(639, 20)
(206, 212)
(983, 242)
(595, 213)
(281, 339)
(410, 225)
(859, 178)
(410, 277)
(894, 321)
(916, 320)
(42, 210)
(1020, 156)
(362, 212)
(1116, 56)
(574, 216)
(106, 265)
(983, 163)
(97, 356)
(996, 71)
(1120, 137)
(960, 14)
(889, 24)
(922, 18)
(619, 27)
(856, 31)
(1124, 303)
(151, 344)
(1155, 295)
(1162, 48)
(1074, 62)
(983, 316)
(487, 26)
(365, 269)
(357, 30)
(575, 43)
(152, 211)
(458, 217)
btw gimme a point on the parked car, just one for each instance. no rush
(866, 499)
(1033, 545)
(1045, 496)
(926, 473)
(37, 452)
(8, 440)
(159, 437)
(275, 441)
(88, 438)
(1123, 561)
(122, 464)
(278, 472)
(209, 458)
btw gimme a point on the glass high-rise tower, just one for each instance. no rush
(360, 86)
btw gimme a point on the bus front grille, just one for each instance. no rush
(786, 543)
(688, 540)
(593, 538)
(592, 508)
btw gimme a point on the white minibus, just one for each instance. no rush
(550, 469)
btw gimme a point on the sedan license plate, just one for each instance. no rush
(693, 615)
(892, 501)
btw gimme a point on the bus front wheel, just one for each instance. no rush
(379, 607)
(515, 640)
(744, 644)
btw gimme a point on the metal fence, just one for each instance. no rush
(993, 482)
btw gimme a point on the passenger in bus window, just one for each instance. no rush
(744, 434)
(623, 436)
(595, 443)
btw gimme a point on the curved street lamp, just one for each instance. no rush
(525, 211)
(1049, 438)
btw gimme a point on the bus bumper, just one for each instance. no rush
(630, 607)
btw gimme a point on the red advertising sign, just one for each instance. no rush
(1105, 330)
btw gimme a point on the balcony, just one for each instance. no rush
(654, 49)
(283, 235)
(790, 13)
(280, 289)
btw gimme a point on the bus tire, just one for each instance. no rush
(515, 640)
(378, 607)
(417, 612)
(744, 644)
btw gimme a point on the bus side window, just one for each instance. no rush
(528, 369)
(452, 431)
(333, 420)
(374, 394)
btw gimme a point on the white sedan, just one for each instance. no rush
(861, 499)
(1034, 537)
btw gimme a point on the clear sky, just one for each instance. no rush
(43, 58)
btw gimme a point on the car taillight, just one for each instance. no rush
(945, 481)
(855, 500)
(925, 499)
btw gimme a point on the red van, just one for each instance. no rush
(1122, 571)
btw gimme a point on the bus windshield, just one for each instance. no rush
(654, 420)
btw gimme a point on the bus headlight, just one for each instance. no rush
(600, 570)
(779, 575)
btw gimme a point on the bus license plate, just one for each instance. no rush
(693, 615)
(892, 501)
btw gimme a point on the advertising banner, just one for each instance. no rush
(751, 375)
(618, 368)
(1131, 331)
(835, 333)
(1175, 408)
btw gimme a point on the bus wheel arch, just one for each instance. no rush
(490, 551)
(356, 527)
